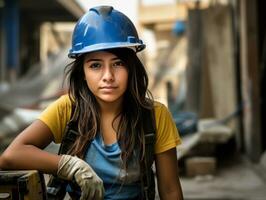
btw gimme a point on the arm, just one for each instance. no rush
(25, 152)
(167, 175)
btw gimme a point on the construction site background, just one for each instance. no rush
(206, 62)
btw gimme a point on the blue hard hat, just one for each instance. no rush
(103, 28)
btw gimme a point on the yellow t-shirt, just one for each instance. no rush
(58, 113)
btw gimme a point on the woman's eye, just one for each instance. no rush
(95, 65)
(119, 63)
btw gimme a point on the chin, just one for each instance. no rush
(109, 99)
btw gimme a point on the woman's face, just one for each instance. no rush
(106, 76)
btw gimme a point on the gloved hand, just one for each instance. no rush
(73, 168)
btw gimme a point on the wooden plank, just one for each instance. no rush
(250, 77)
(155, 14)
(209, 131)
(193, 70)
(212, 131)
(219, 58)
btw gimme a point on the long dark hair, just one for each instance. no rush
(130, 134)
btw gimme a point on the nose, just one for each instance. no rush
(108, 74)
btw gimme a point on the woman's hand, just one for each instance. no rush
(74, 168)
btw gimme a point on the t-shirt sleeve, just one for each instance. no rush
(167, 136)
(56, 116)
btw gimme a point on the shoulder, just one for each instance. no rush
(163, 117)
(160, 109)
(64, 99)
(57, 115)
(167, 136)
(62, 104)
(158, 105)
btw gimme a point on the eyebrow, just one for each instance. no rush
(98, 59)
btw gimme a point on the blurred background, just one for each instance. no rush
(206, 61)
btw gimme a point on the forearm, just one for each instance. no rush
(28, 157)
(166, 194)
(169, 186)
(170, 196)
(25, 152)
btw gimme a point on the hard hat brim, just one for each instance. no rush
(104, 46)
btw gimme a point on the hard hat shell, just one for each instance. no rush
(103, 28)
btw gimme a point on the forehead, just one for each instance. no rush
(100, 55)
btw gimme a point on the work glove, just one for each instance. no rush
(73, 168)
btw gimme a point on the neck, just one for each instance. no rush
(113, 108)
(109, 112)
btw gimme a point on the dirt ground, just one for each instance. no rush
(236, 179)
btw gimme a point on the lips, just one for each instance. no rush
(108, 88)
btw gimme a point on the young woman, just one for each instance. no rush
(107, 98)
